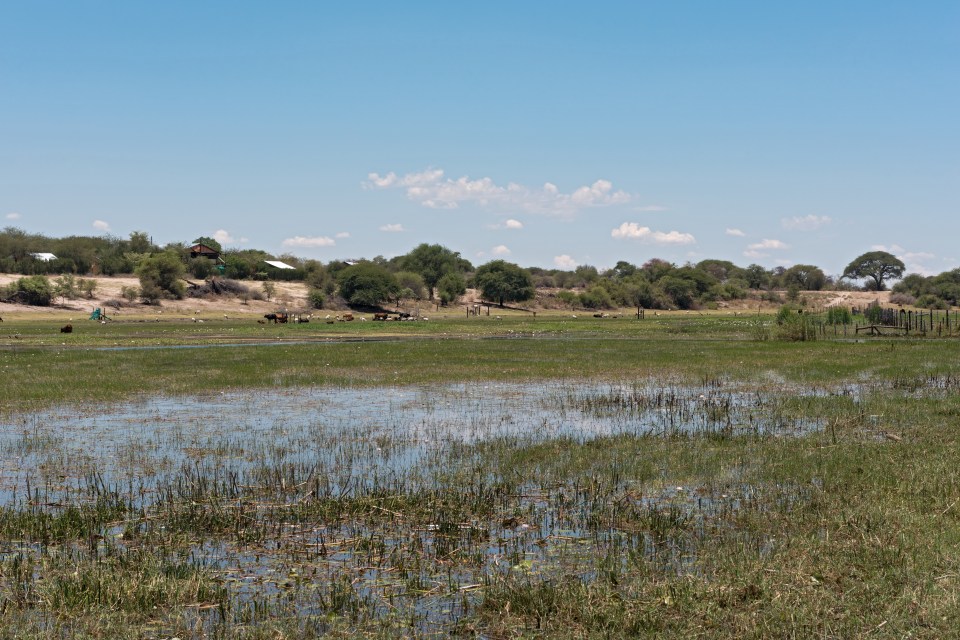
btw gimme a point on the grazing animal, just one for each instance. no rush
(381, 316)
(276, 317)
(67, 328)
(261, 322)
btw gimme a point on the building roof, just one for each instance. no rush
(44, 257)
(278, 264)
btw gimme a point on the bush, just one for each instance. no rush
(316, 298)
(596, 298)
(34, 290)
(839, 315)
(873, 313)
(930, 301)
(130, 294)
(795, 326)
(450, 287)
(160, 277)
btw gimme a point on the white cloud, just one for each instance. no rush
(309, 242)
(392, 228)
(806, 223)
(500, 250)
(222, 236)
(342, 235)
(760, 249)
(510, 224)
(633, 231)
(431, 189)
(100, 225)
(735, 232)
(564, 262)
(13, 216)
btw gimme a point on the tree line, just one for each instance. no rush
(436, 273)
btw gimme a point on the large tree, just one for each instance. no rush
(367, 284)
(805, 276)
(504, 282)
(876, 266)
(432, 262)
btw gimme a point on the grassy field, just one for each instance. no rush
(747, 486)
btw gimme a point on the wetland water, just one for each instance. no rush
(387, 429)
(283, 456)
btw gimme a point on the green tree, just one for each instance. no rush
(805, 277)
(655, 268)
(623, 269)
(432, 262)
(876, 266)
(367, 284)
(160, 277)
(67, 287)
(504, 282)
(140, 243)
(681, 290)
(450, 287)
(756, 276)
(411, 286)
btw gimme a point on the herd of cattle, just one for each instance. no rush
(284, 318)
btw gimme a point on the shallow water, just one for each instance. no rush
(289, 444)
(358, 431)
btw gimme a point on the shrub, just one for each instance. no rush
(35, 290)
(795, 326)
(160, 277)
(130, 294)
(873, 313)
(839, 315)
(931, 301)
(316, 298)
(450, 287)
(596, 298)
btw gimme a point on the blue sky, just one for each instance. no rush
(545, 133)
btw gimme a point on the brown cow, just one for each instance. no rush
(67, 328)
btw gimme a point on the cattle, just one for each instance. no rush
(348, 317)
(67, 328)
(276, 317)
(381, 316)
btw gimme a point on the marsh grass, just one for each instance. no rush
(616, 480)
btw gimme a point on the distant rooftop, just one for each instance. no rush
(44, 257)
(278, 264)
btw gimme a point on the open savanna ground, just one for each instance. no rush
(684, 475)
